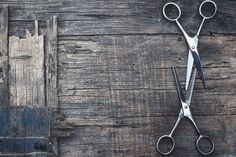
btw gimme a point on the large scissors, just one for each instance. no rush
(193, 55)
(185, 112)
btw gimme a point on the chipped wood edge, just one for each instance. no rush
(22, 91)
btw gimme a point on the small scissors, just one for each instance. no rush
(193, 55)
(185, 112)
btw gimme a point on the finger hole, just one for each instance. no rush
(207, 9)
(171, 11)
(205, 145)
(165, 144)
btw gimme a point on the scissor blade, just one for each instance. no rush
(180, 93)
(190, 87)
(198, 64)
(189, 68)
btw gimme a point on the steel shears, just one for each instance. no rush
(185, 112)
(193, 55)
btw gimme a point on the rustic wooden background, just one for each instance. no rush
(116, 89)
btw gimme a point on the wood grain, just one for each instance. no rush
(26, 59)
(138, 137)
(119, 94)
(51, 64)
(24, 131)
(90, 17)
(4, 93)
(51, 77)
(115, 85)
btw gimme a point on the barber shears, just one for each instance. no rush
(193, 55)
(185, 112)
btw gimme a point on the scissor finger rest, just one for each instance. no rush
(200, 146)
(204, 4)
(171, 4)
(163, 139)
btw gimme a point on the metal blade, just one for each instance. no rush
(198, 64)
(189, 68)
(179, 91)
(190, 87)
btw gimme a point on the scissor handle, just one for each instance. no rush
(203, 137)
(164, 11)
(201, 11)
(162, 138)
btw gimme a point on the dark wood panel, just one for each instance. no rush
(127, 72)
(136, 136)
(25, 131)
(118, 92)
(133, 52)
(27, 155)
(89, 17)
(22, 121)
(24, 145)
(115, 86)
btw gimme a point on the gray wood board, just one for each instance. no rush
(51, 75)
(137, 137)
(89, 17)
(4, 93)
(26, 74)
(115, 86)
(22, 122)
(119, 93)
(51, 64)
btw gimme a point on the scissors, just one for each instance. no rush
(193, 55)
(185, 112)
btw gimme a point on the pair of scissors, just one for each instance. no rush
(185, 112)
(193, 55)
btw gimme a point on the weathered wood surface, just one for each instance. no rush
(26, 74)
(4, 94)
(94, 69)
(97, 17)
(120, 94)
(51, 63)
(51, 76)
(115, 86)
(24, 131)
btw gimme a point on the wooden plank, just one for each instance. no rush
(51, 64)
(92, 17)
(24, 130)
(51, 76)
(23, 145)
(4, 94)
(26, 81)
(163, 51)
(25, 155)
(120, 96)
(96, 73)
(136, 136)
(22, 121)
(5, 121)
